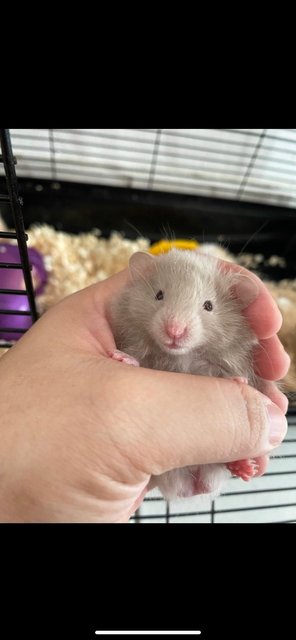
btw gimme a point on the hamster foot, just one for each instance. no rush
(244, 469)
(123, 357)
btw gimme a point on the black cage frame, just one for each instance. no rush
(15, 202)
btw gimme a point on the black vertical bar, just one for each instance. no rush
(213, 512)
(138, 516)
(167, 514)
(154, 159)
(16, 205)
(244, 181)
(52, 154)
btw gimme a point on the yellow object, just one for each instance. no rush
(163, 246)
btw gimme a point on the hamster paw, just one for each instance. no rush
(240, 379)
(244, 469)
(123, 357)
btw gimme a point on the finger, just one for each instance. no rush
(270, 359)
(138, 502)
(182, 420)
(262, 313)
(89, 308)
(113, 285)
(270, 390)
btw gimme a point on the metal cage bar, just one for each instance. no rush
(19, 234)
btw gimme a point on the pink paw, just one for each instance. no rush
(244, 469)
(240, 379)
(123, 357)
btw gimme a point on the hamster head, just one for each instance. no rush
(184, 300)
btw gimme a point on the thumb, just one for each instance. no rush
(180, 419)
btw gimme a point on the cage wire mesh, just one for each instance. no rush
(252, 165)
(13, 199)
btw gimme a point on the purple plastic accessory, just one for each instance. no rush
(13, 279)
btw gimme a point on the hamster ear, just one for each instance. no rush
(141, 265)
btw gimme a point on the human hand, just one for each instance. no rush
(81, 434)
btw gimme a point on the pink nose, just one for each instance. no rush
(175, 329)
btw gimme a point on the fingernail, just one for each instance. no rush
(277, 424)
(247, 290)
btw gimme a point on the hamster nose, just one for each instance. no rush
(175, 329)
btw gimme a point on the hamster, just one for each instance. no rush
(180, 314)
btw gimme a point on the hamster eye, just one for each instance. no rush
(208, 305)
(159, 295)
